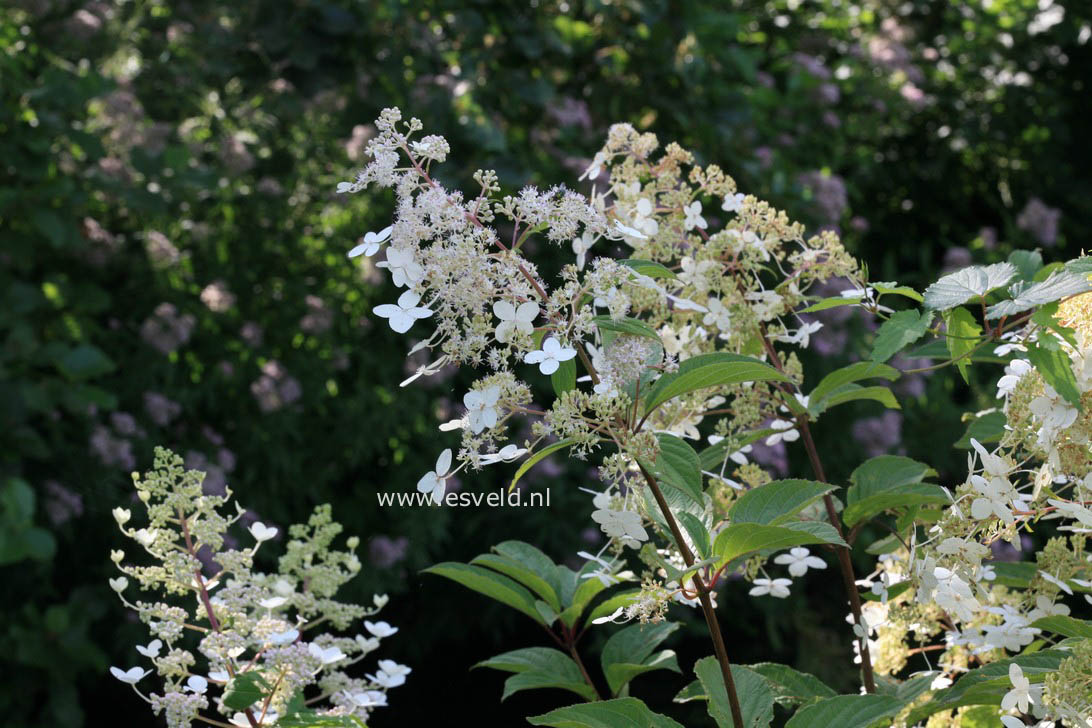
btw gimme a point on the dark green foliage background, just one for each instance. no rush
(527, 88)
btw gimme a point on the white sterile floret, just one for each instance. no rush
(326, 655)
(262, 532)
(371, 242)
(404, 268)
(380, 629)
(434, 480)
(774, 587)
(122, 515)
(514, 319)
(391, 674)
(401, 316)
(151, 650)
(197, 684)
(481, 408)
(132, 676)
(733, 203)
(786, 432)
(551, 355)
(581, 246)
(799, 560)
(1022, 693)
(1014, 372)
(624, 525)
(693, 216)
(506, 454)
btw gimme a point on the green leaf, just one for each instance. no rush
(777, 501)
(630, 326)
(628, 653)
(491, 584)
(852, 393)
(889, 481)
(84, 362)
(564, 378)
(648, 268)
(1060, 284)
(607, 607)
(693, 691)
(1065, 626)
(739, 539)
(790, 686)
(898, 332)
(988, 428)
(528, 566)
(755, 696)
(1027, 263)
(699, 533)
(627, 712)
(245, 690)
(677, 465)
(587, 590)
(311, 719)
(896, 289)
(710, 370)
(853, 373)
(962, 337)
(1054, 365)
(539, 667)
(846, 711)
(1016, 574)
(976, 281)
(537, 456)
(986, 685)
(827, 303)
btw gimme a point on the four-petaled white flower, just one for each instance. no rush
(391, 674)
(146, 536)
(401, 316)
(481, 408)
(802, 336)
(197, 684)
(733, 203)
(1022, 692)
(786, 432)
(774, 587)
(118, 584)
(581, 246)
(326, 655)
(122, 515)
(369, 699)
(284, 638)
(643, 220)
(550, 356)
(150, 650)
(718, 316)
(262, 532)
(506, 454)
(799, 560)
(371, 242)
(1014, 372)
(434, 480)
(132, 676)
(514, 319)
(693, 216)
(380, 629)
(272, 602)
(405, 270)
(623, 525)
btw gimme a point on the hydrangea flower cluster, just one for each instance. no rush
(233, 645)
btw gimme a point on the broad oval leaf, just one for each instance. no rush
(739, 539)
(777, 501)
(628, 653)
(491, 584)
(846, 711)
(631, 326)
(648, 268)
(957, 288)
(677, 465)
(898, 332)
(853, 393)
(790, 686)
(564, 378)
(537, 456)
(539, 667)
(1060, 284)
(711, 370)
(853, 373)
(628, 712)
(755, 697)
(1055, 366)
(889, 481)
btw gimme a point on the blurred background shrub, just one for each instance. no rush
(172, 265)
